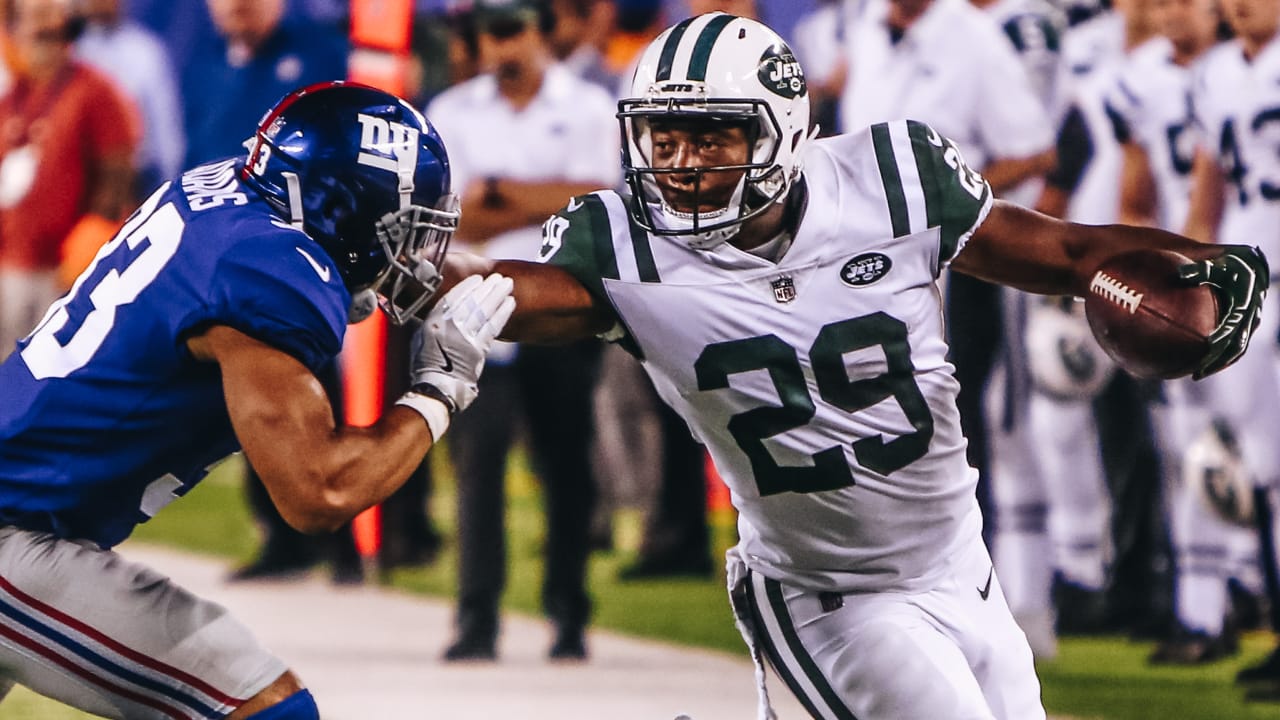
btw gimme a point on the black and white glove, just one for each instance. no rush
(1239, 276)
(448, 351)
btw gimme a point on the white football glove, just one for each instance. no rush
(450, 347)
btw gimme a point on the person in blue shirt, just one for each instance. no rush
(197, 331)
(253, 53)
(257, 53)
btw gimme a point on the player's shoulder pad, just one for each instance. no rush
(927, 184)
(579, 238)
(276, 284)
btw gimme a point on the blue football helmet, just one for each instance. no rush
(364, 175)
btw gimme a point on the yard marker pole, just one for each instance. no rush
(380, 33)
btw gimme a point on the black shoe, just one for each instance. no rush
(273, 566)
(471, 650)
(1194, 647)
(647, 568)
(569, 645)
(1267, 671)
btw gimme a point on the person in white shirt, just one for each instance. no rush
(1235, 193)
(523, 136)
(946, 63)
(1020, 505)
(137, 60)
(1150, 109)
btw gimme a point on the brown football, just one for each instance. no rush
(1147, 319)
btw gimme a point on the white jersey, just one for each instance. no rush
(1091, 54)
(819, 383)
(1150, 104)
(1035, 28)
(954, 69)
(1237, 105)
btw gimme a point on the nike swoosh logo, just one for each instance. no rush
(574, 204)
(986, 590)
(321, 270)
(448, 361)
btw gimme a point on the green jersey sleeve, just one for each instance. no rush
(580, 240)
(924, 172)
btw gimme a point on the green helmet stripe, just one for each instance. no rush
(668, 55)
(702, 47)
(892, 180)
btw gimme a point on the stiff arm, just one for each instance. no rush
(552, 306)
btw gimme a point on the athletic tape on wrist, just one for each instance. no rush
(434, 411)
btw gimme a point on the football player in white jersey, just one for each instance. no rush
(1018, 533)
(793, 319)
(1150, 108)
(1235, 194)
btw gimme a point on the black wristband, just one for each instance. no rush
(433, 392)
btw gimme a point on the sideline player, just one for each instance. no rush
(794, 320)
(198, 330)
(1150, 109)
(1235, 193)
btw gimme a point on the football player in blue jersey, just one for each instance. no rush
(198, 331)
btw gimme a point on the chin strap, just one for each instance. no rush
(294, 187)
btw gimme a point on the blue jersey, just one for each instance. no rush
(105, 415)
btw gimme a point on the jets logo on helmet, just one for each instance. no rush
(715, 69)
(781, 73)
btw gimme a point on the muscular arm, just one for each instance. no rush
(319, 475)
(1207, 189)
(1033, 252)
(520, 204)
(1005, 173)
(1137, 187)
(551, 306)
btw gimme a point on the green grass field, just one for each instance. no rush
(1102, 678)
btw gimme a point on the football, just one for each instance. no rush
(1149, 321)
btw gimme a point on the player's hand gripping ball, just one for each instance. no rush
(1160, 314)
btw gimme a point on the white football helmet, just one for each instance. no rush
(722, 68)
(1063, 358)
(1215, 470)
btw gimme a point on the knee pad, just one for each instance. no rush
(298, 706)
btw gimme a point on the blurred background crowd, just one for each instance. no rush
(1105, 513)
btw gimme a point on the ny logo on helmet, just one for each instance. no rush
(391, 146)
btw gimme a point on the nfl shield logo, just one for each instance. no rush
(784, 289)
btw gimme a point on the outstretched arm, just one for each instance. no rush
(1033, 252)
(551, 305)
(320, 474)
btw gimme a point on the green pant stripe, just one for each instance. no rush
(773, 589)
(771, 652)
(892, 180)
(702, 48)
(668, 55)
